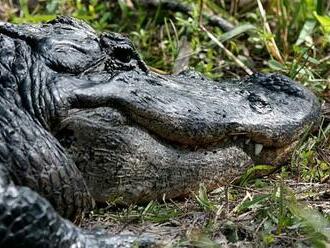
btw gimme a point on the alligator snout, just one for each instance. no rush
(189, 109)
(166, 134)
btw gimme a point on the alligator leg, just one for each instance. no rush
(35, 159)
(28, 220)
(30, 156)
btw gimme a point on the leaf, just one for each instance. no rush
(306, 31)
(33, 19)
(254, 203)
(324, 22)
(254, 171)
(52, 6)
(236, 31)
(314, 221)
(270, 43)
(320, 6)
(203, 200)
(276, 66)
(24, 8)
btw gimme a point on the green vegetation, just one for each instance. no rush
(289, 208)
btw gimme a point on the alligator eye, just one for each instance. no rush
(123, 54)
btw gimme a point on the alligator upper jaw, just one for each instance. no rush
(191, 110)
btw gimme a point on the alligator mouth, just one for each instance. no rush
(102, 119)
(121, 159)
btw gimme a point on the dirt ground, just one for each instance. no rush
(195, 226)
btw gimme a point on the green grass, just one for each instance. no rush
(269, 211)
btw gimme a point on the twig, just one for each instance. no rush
(247, 188)
(227, 52)
(182, 61)
(271, 44)
(157, 70)
(247, 196)
(201, 4)
(260, 225)
(324, 59)
(185, 9)
(218, 21)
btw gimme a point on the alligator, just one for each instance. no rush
(84, 120)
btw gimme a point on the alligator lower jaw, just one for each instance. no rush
(122, 160)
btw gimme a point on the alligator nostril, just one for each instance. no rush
(123, 54)
(259, 103)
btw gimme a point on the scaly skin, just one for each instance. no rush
(82, 119)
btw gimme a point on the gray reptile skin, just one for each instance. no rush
(83, 120)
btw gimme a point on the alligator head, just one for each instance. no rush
(139, 135)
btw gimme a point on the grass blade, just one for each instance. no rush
(236, 31)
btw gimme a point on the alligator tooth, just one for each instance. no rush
(247, 141)
(258, 149)
(235, 137)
